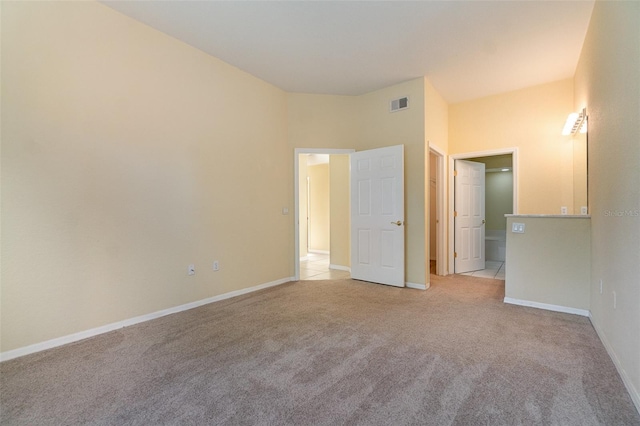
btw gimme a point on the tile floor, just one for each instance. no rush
(316, 267)
(492, 269)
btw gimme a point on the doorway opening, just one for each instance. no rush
(436, 248)
(500, 171)
(313, 191)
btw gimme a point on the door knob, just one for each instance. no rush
(483, 221)
(399, 223)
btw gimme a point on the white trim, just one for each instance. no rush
(319, 251)
(553, 216)
(547, 307)
(441, 211)
(633, 392)
(296, 198)
(302, 259)
(53, 343)
(515, 164)
(416, 286)
(339, 267)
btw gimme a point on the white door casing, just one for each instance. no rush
(469, 216)
(377, 215)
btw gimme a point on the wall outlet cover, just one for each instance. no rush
(517, 228)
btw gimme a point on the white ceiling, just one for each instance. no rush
(467, 49)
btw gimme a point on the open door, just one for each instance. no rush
(377, 215)
(469, 217)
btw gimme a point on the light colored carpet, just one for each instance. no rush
(331, 352)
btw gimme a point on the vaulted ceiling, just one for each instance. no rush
(467, 49)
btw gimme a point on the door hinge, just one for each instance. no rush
(455, 173)
(455, 254)
(455, 214)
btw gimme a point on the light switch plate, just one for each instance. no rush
(517, 228)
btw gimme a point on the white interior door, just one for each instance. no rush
(377, 215)
(469, 216)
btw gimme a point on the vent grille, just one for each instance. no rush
(399, 104)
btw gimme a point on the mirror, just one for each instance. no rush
(580, 193)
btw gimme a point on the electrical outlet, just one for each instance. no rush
(517, 228)
(584, 210)
(563, 210)
(216, 265)
(191, 270)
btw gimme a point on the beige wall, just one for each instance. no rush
(607, 84)
(532, 120)
(303, 174)
(323, 121)
(340, 205)
(125, 159)
(319, 224)
(561, 246)
(436, 130)
(436, 117)
(364, 122)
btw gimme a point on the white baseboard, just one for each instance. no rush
(302, 259)
(37, 347)
(546, 306)
(319, 251)
(633, 392)
(416, 286)
(340, 267)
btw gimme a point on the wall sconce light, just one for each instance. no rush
(576, 122)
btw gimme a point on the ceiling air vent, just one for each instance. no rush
(399, 104)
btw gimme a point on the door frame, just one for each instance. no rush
(490, 153)
(296, 197)
(441, 213)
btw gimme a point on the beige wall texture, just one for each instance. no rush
(436, 130)
(364, 122)
(319, 217)
(562, 246)
(124, 160)
(340, 206)
(323, 121)
(532, 120)
(607, 84)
